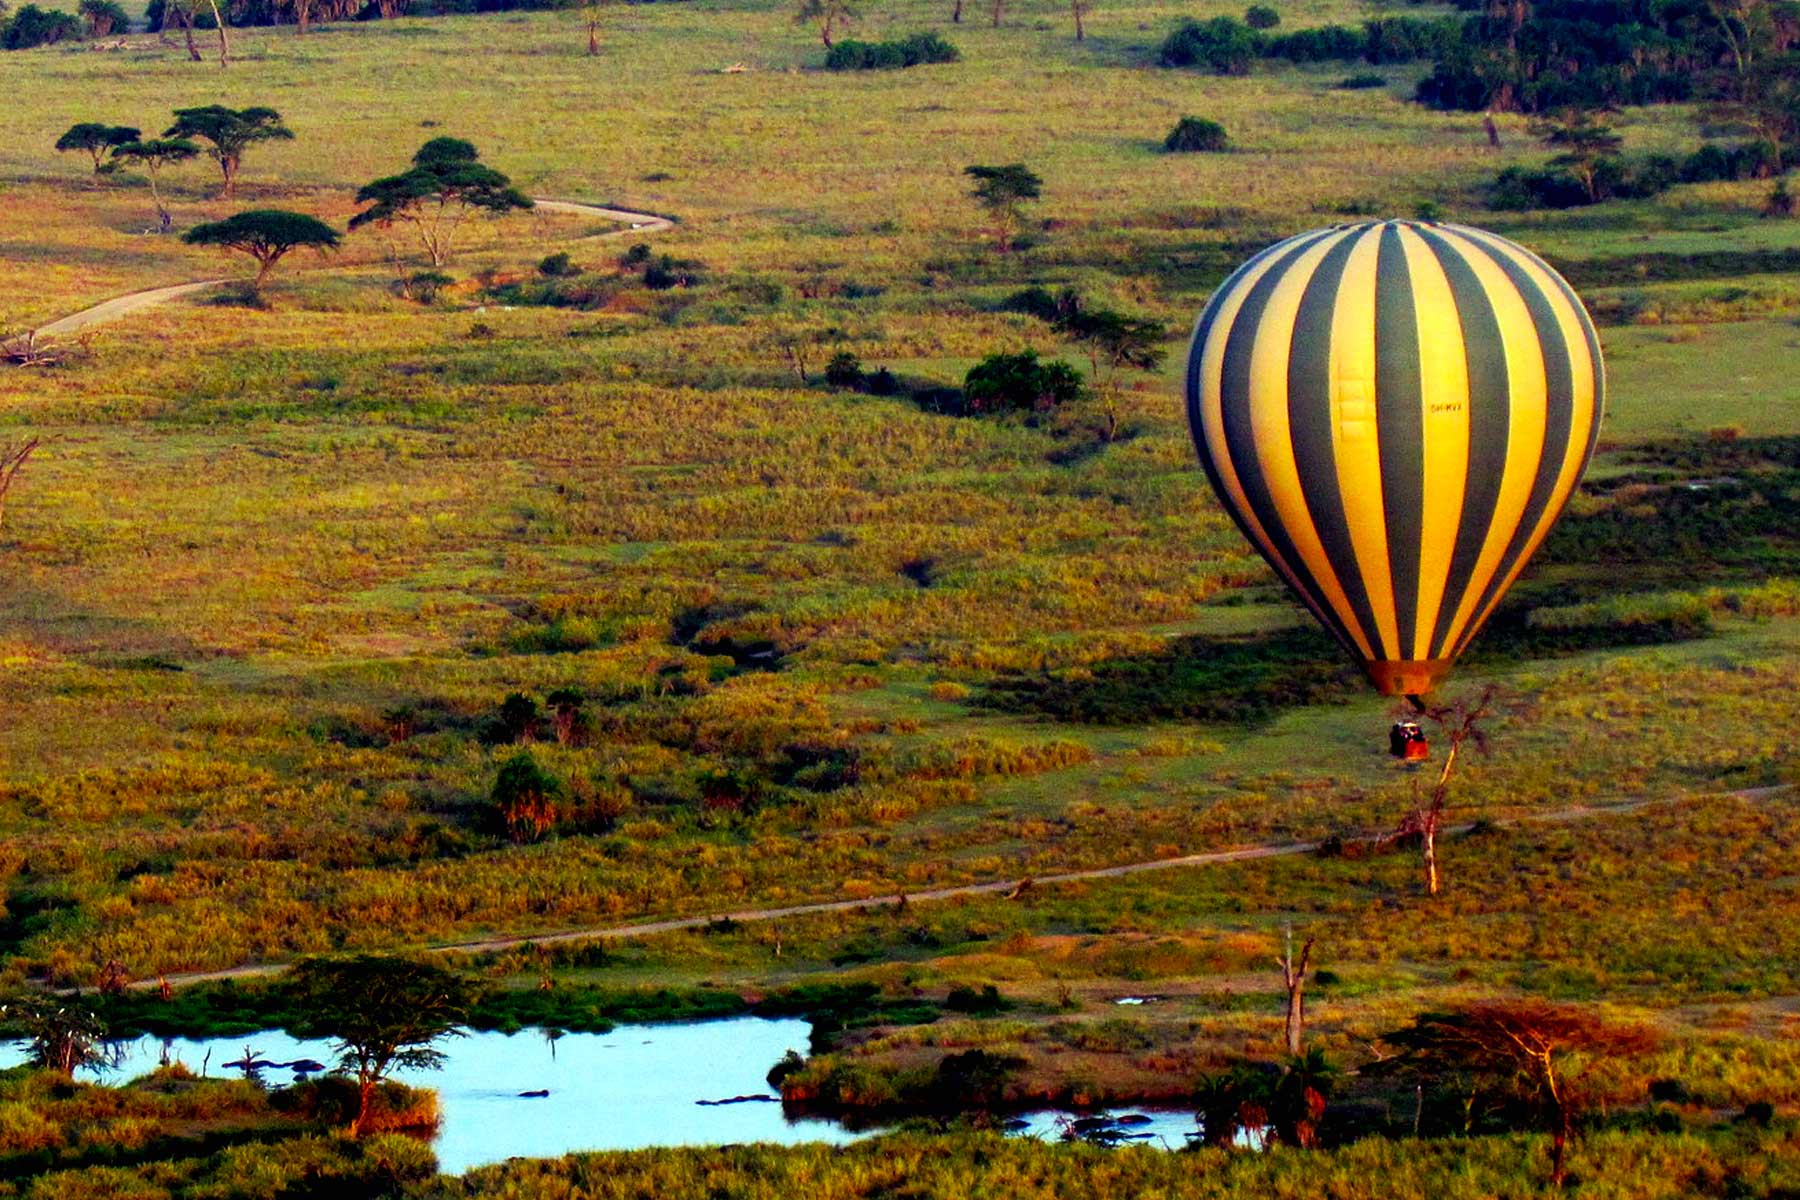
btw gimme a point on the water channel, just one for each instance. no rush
(536, 1095)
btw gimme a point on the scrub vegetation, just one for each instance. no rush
(845, 540)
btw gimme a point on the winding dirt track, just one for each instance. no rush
(122, 306)
(602, 933)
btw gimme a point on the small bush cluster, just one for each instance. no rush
(1619, 178)
(1020, 383)
(32, 26)
(1195, 135)
(917, 50)
(1228, 46)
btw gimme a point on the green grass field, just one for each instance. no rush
(274, 570)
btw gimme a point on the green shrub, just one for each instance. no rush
(525, 797)
(984, 1002)
(917, 50)
(1019, 383)
(33, 26)
(844, 371)
(424, 286)
(557, 266)
(1326, 43)
(1261, 16)
(1362, 82)
(1780, 202)
(1193, 135)
(1224, 45)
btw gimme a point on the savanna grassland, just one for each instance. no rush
(278, 566)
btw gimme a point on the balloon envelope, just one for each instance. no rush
(1395, 413)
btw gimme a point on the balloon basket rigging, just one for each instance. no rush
(1407, 742)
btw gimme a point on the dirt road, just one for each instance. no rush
(1002, 886)
(123, 306)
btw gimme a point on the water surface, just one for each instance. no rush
(634, 1087)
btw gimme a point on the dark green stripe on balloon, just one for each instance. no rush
(1490, 418)
(1559, 412)
(1311, 426)
(1399, 427)
(1240, 439)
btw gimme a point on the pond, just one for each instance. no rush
(537, 1095)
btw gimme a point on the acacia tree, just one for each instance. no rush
(1113, 342)
(266, 234)
(97, 141)
(797, 343)
(62, 1032)
(1526, 1051)
(382, 1013)
(1002, 191)
(1584, 143)
(1769, 109)
(827, 14)
(445, 186)
(230, 132)
(151, 157)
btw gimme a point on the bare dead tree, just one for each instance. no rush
(184, 16)
(224, 35)
(1080, 9)
(591, 17)
(29, 350)
(12, 460)
(1293, 978)
(1457, 723)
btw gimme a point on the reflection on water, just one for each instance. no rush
(639, 1085)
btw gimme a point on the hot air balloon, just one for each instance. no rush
(1395, 413)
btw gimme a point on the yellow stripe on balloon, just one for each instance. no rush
(1212, 424)
(1355, 443)
(1584, 409)
(1444, 403)
(1272, 434)
(1527, 416)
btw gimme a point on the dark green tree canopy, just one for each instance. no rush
(151, 157)
(382, 1013)
(1193, 135)
(446, 184)
(1003, 191)
(230, 131)
(1019, 383)
(33, 26)
(96, 140)
(996, 187)
(158, 151)
(265, 234)
(441, 151)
